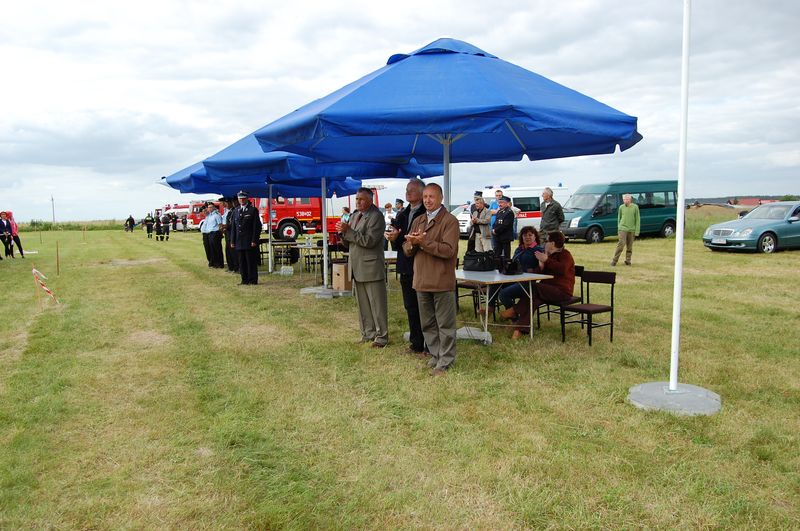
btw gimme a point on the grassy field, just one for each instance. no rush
(160, 394)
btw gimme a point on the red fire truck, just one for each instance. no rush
(294, 216)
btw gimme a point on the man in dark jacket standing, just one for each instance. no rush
(503, 229)
(244, 238)
(401, 226)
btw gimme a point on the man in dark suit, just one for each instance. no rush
(364, 235)
(405, 264)
(503, 228)
(244, 238)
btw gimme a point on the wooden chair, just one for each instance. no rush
(586, 311)
(555, 308)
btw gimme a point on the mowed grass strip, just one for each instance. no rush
(163, 395)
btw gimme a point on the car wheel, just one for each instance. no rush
(767, 243)
(288, 231)
(594, 235)
(668, 229)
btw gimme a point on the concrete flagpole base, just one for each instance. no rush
(687, 400)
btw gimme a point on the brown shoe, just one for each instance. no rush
(438, 372)
(516, 335)
(379, 345)
(508, 313)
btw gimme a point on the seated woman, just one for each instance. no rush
(556, 261)
(525, 255)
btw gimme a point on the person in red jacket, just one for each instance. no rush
(556, 261)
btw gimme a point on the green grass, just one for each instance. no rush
(160, 394)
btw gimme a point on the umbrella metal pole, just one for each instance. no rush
(269, 228)
(324, 235)
(681, 206)
(446, 148)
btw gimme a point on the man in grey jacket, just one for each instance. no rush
(552, 213)
(363, 233)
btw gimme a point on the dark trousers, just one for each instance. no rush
(503, 249)
(213, 247)
(412, 309)
(542, 294)
(248, 265)
(232, 257)
(8, 246)
(19, 246)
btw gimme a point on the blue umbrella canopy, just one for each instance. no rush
(450, 100)
(194, 180)
(245, 159)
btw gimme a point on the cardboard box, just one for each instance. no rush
(341, 277)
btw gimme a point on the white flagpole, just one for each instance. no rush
(324, 235)
(681, 206)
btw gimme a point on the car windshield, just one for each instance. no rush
(769, 212)
(582, 201)
(459, 210)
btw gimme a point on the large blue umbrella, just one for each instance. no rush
(245, 160)
(195, 180)
(454, 102)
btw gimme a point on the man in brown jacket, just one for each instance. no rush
(433, 241)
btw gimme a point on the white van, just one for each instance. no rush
(525, 201)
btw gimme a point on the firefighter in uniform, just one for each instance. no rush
(503, 229)
(245, 235)
(165, 222)
(148, 223)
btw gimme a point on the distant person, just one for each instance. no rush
(231, 254)
(628, 225)
(174, 219)
(503, 228)
(245, 237)
(212, 237)
(398, 205)
(494, 206)
(148, 224)
(15, 236)
(5, 234)
(552, 214)
(130, 223)
(345, 214)
(165, 223)
(364, 235)
(184, 222)
(157, 226)
(433, 242)
(401, 227)
(555, 261)
(481, 232)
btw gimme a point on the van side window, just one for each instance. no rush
(305, 200)
(609, 204)
(526, 204)
(655, 200)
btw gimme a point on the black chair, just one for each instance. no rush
(549, 308)
(586, 311)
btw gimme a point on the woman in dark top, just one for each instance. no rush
(525, 256)
(555, 261)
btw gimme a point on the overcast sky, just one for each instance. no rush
(100, 99)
